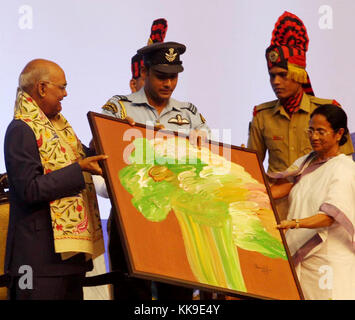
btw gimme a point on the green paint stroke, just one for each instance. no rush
(213, 209)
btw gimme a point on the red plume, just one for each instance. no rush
(290, 31)
(158, 31)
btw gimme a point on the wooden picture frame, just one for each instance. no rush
(215, 232)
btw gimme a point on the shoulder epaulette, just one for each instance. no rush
(121, 98)
(321, 101)
(264, 106)
(191, 108)
(111, 107)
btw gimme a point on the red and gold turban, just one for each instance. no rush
(289, 44)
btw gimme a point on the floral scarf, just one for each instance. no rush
(75, 220)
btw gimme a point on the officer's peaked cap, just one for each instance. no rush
(163, 57)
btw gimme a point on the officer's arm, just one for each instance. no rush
(111, 108)
(115, 108)
(256, 139)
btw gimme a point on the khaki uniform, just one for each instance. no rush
(285, 138)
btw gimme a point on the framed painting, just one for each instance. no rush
(196, 216)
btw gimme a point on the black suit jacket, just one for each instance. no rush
(30, 235)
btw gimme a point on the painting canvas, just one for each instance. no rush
(197, 216)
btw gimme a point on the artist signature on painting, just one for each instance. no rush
(262, 268)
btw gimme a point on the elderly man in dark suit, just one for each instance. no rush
(48, 171)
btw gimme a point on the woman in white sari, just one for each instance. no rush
(321, 219)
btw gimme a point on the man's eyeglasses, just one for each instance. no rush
(61, 87)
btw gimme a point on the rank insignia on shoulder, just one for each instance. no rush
(121, 98)
(179, 120)
(191, 108)
(111, 107)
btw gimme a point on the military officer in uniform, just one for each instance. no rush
(280, 126)
(152, 105)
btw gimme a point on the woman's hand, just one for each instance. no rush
(319, 220)
(287, 224)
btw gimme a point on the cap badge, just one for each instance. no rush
(273, 56)
(171, 56)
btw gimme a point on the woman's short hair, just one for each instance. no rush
(336, 117)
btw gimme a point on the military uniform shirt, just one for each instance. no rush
(176, 116)
(285, 137)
